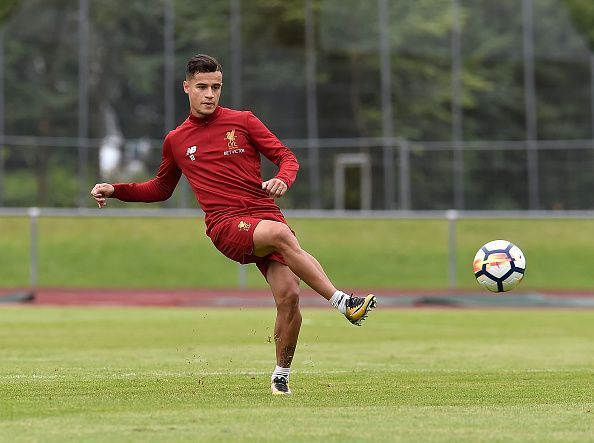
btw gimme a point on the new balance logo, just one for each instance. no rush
(191, 151)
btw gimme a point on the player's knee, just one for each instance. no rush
(288, 304)
(282, 237)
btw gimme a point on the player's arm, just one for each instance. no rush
(159, 188)
(272, 148)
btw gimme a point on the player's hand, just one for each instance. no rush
(100, 192)
(275, 187)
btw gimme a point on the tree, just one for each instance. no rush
(582, 13)
(7, 8)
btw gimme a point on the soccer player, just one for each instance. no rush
(218, 150)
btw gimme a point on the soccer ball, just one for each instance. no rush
(499, 266)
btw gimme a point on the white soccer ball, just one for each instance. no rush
(499, 266)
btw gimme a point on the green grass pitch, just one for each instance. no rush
(175, 375)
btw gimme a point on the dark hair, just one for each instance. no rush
(202, 63)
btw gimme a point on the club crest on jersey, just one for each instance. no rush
(232, 144)
(244, 226)
(191, 151)
(230, 137)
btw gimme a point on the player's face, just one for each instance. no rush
(204, 92)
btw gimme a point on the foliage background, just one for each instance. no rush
(126, 80)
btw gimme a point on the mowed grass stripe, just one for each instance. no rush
(124, 374)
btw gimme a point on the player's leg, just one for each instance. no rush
(272, 236)
(316, 263)
(285, 289)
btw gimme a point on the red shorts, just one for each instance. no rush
(235, 239)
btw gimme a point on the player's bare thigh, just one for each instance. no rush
(267, 234)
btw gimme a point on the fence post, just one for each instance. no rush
(311, 103)
(457, 115)
(33, 259)
(83, 101)
(452, 217)
(2, 114)
(241, 276)
(530, 104)
(386, 102)
(404, 155)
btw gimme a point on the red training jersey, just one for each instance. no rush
(220, 157)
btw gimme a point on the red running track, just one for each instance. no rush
(263, 298)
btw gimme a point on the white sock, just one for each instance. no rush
(338, 300)
(281, 372)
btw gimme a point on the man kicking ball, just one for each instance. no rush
(218, 150)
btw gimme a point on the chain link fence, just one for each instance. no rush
(414, 104)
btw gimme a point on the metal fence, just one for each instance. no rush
(340, 81)
(354, 173)
(452, 217)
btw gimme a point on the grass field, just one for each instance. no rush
(144, 374)
(175, 253)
